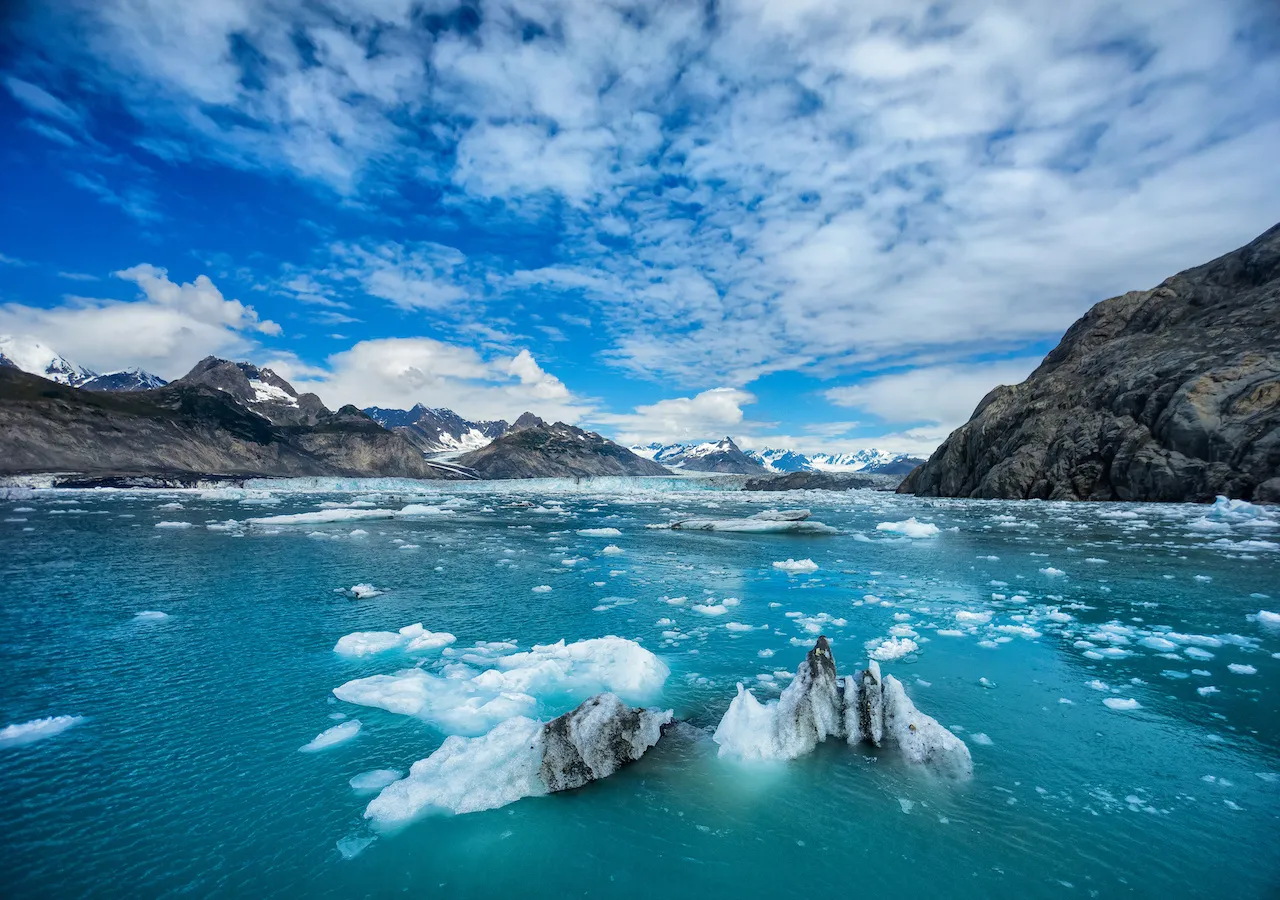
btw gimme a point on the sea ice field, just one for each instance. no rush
(327, 688)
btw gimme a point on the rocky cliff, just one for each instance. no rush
(1171, 394)
(184, 429)
(534, 449)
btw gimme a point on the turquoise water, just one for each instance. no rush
(184, 775)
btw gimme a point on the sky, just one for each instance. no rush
(811, 224)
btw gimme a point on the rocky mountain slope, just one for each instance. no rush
(259, 390)
(125, 380)
(534, 449)
(1170, 394)
(183, 429)
(437, 430)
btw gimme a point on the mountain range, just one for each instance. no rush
(691, 457)
(451, 445)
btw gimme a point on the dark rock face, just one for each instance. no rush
(595, 740)
(726, 459)
(811, 481)
(1171, 394)
(260, 390)
(181, 430)
(437, 430)
(534, 449)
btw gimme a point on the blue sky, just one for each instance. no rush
(814, 224)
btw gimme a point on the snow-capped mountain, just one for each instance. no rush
(261, 391)
(722, 456)
(437, 430)
(31, 356)
(872, 460)
(134, 379)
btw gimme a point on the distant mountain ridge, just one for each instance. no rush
(686, 456)
(531, 448)
(437, 430)
(31, 356)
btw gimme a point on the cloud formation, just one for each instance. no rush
(732, 189)
(166, 330)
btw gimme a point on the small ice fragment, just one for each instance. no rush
(353, 845)
(1122, 705)
(599, 532)
(906, 805)
(980, 738)
(150, 615)
(1242, 669)
(541, 589)
(1206, 690)
(796, 566)
(1052, 572)
(910, 528)
(374, 780)
(331, 737)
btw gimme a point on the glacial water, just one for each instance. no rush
(1013, 625)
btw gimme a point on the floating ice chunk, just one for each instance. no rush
(613, 550)
(1099, 685)
(791, 521)
(322, 517)
(979, 737)
(599, 532)
(1024, 631)
(1206, 690)
(710, 609)
(521, 758)
(467, 775)
(1158, 643)
(1197, 653)
(1268, 618)
(374, 780)
(738, 626)
(466, 700)
(1242, 669)
(541, 588)
(36, 730)
(1119, 704)
(411, 637)
(910, 528)
(893, 648)
(1051, 572)
(364, 591)
(174, 505)
(807, 713)
(796, 566)
(331, 737)
(174, 525)
(418, 510)
(973, 618)
(920, 738)
(151, 615)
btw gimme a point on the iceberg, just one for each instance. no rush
(910, 528)
(796, 566)
(521, 757)
(771, 521)
(413, 638)
(863, 708)
(338, 734)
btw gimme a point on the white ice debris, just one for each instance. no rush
(910, 528)
(413, 638)
(796, 566)
(36, 730)
(1119, 704)
(364, 591)
(488, 686)
(1242, 669)
(893, 648)
(1268, 618)
(1051, 572)
(541, 588)
(151, 615)
(599, 532)
(770, 521)
(613, 550)
(174, 525)
(331, 737)
(920, 738)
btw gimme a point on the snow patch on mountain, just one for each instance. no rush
(31, 356)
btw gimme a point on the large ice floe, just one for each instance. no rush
(520, 758)
(36, 730)
(475, 688)
(770, 521)
(818, 704)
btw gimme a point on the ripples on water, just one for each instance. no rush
(184, 774)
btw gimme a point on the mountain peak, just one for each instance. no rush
(29, 355)
(527, 420)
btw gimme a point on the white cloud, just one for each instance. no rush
(422, 276)
(37, 100)
(166, 331)
(400, 372)
(716, 412)
(943, 395)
